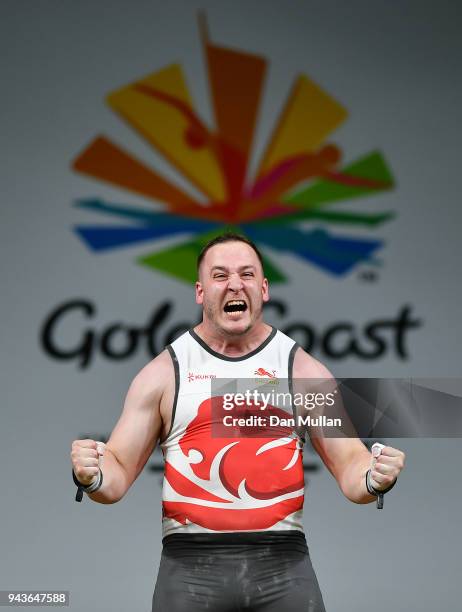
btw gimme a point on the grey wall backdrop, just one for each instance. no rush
(396, 67)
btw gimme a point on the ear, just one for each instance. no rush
(265, 290)
(199, 293)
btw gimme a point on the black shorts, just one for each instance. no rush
(231, 572)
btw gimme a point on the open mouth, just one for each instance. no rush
(235, 306)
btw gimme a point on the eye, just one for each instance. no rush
(219, 276)
(248, 274)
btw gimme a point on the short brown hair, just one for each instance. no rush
(228, 237)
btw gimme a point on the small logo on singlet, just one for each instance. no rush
(192, 376)
(263, 372)
(266, 377)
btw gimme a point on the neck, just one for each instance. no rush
(233, 345)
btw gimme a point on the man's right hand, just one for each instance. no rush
(85, 456)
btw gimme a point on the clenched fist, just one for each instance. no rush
(85, 456)
(386, 465)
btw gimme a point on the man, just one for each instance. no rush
(232, 506)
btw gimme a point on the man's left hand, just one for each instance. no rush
(386, 468)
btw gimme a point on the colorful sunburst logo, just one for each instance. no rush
(298, 180)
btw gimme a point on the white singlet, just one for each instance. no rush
(229, 482)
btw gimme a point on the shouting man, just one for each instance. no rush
(232, 506)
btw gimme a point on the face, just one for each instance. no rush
(231, 288)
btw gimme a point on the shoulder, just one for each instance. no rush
(155, 376)
(306, 366)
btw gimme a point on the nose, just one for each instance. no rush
(235, 282)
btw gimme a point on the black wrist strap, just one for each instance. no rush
(81, 487)
(376, 492)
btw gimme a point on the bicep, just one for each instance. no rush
(138, 429)
(339, 447)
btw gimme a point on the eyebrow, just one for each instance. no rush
(225, 269)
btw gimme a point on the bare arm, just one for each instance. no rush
(136, 432)
(348, 461)
(347, 458)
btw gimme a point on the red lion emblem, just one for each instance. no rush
(239, 476)
(263, 372)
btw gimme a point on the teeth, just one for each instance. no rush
(235, 307)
